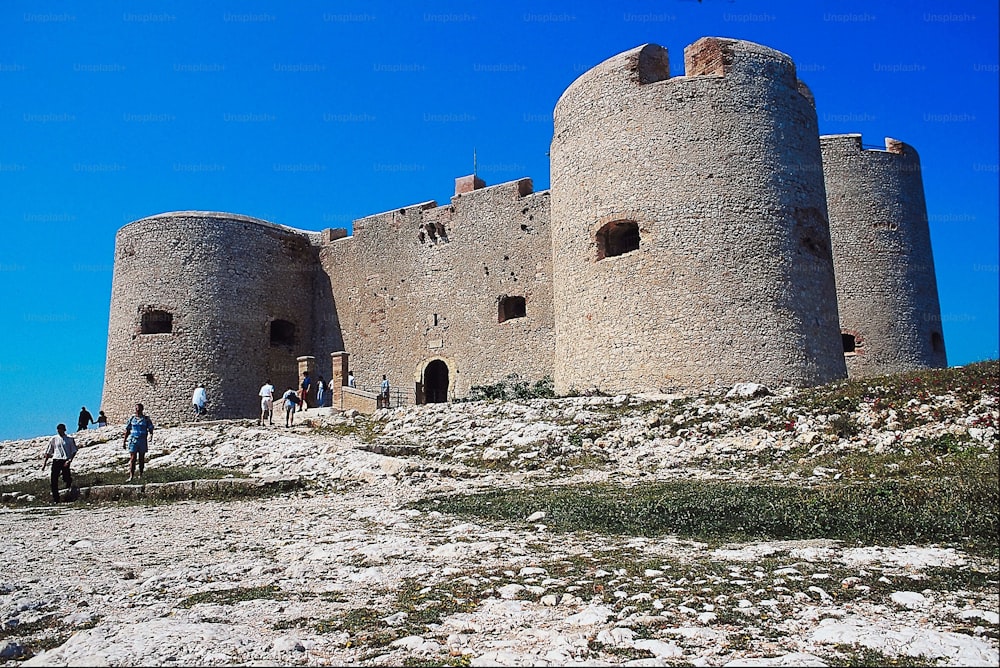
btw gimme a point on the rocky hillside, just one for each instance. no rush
(852, 524)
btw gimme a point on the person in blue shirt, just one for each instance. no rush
(138, 431)
(384, 393)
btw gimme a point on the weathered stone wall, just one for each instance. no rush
(886, 287)
(223, 278)
(423, 283)
(359, 400)
(721, 170)
(686, 244)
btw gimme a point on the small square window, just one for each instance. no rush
(157, 322)
(510, 307)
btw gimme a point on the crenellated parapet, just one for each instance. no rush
(689, 228)
(698, 233)
(464, 287)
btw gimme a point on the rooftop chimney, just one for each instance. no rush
(466, 184)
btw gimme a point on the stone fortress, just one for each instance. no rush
(698, 232)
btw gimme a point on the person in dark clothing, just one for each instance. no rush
(304, 393)
(85, 419)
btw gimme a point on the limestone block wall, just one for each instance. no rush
(721, 173)
(222, 279)
(359, 400)
(886, 286)
(424, 285)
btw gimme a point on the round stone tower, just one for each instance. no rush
(211, 298)
(887, 295)
(690, 238)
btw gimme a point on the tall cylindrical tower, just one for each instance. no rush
(689, 228)
(211, 298)
(887, 294)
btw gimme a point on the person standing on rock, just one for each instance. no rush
(102, 419)
(291, 400)
(266, 403)
(199, 399)
(84, 420)
(61, 449)
(138, 431)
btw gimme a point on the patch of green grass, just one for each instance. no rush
(236, 595)
(843, 425)
(905, 393)
(854, 656)
(423, 605)
(963, 579)
(38, 636)
(418, 662)
(627, 653)
(944, 456)
(171, 474)
(46, 623)
(363, 430)
(513, 387)
(949, 510)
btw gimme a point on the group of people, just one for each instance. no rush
(85, 419)
(62, 448)
(293, 400)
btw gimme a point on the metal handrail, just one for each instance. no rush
(397, 397)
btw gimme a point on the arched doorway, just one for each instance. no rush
(436, 382)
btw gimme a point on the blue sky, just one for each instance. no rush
(313, 113)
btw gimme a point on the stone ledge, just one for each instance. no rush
(182, 489)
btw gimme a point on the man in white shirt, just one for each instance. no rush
(266, 403)
(61, 449)
(199, 399)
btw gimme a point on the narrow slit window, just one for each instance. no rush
(937, 342)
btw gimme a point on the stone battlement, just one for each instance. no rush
(853, 141)
(430, 221)
(697, 233)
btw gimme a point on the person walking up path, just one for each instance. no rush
(138, 431)
(61, 449)
(266, 403)
(291, 401)
(84, 420)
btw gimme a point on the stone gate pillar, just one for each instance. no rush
(306, 363)
(338, 379)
